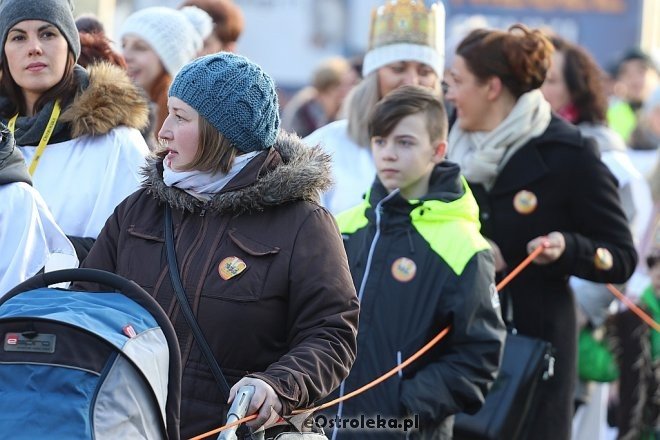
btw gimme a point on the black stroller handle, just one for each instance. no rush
(109, 279)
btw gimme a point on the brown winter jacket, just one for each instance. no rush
(289, 318)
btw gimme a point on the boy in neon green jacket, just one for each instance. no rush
(420, 264)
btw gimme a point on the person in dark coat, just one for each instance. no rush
(537, 182)
(261, 262)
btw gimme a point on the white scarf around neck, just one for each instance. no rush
(482, 154)
(204, 185)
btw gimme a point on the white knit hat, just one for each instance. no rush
(201, 21)
(169, 33)
(404, 30)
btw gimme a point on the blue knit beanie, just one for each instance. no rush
(235, 95)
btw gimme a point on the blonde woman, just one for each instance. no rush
(410, 55)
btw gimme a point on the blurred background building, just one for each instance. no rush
(290, 37)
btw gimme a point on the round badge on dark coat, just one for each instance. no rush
(525, 202)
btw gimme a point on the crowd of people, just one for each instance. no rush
(321, 244)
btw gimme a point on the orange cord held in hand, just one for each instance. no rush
(526, 262)
(394, 370)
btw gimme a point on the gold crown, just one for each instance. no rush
(403, 21)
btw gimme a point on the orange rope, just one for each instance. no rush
(384, 377)
(514, 273)
(225, 427)
(636, 310)
(394, 370)
(364, 388)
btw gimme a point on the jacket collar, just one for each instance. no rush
(289, 171)
(110, 100)
(106, 99)
(528, 164)
(445, 197)
(445, 185)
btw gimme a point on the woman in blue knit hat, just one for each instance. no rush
(261, 263)
(77, 129)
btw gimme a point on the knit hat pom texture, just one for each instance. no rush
(168, 31)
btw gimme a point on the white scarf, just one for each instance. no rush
(204, 185)
(482, 154)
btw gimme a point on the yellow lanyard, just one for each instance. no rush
(48, 132)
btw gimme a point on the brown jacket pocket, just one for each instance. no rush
(139, 256)
(242, 266)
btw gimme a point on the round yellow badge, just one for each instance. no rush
(525, 202)
(404, 269)
(603, 259)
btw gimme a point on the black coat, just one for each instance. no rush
(576, 195)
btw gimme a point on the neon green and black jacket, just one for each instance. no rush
(419, 266)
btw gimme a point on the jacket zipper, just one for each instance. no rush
(363, 284)
(372, 248)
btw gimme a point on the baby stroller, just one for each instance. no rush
(87, 365)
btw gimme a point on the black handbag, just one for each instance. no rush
(525, 363)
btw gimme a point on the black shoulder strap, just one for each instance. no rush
(506, 303)
(185, 306)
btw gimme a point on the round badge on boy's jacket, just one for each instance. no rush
(230, 267)
(525, 202)
(404, 269)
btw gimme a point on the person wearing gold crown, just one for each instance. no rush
(406, 47)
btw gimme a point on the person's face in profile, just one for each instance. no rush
(554, 87)
(469, 96)
(180, 134)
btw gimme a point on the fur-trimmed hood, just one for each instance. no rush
(289, 171)
(110, 100)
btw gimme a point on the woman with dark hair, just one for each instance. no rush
(574, 89)
(77, 129)
(574, 85)
(538, 182)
